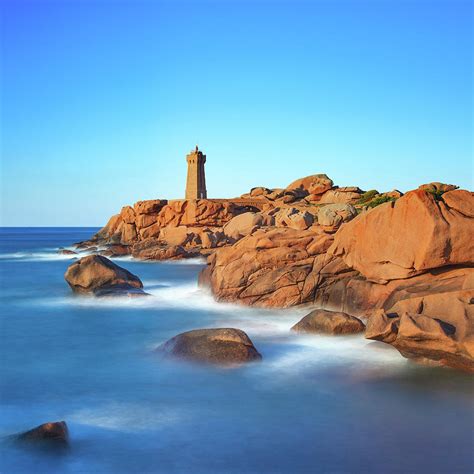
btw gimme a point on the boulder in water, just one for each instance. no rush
(217, 346)
(98, 275)
(321, 321)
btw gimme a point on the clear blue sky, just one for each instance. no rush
(101, 100)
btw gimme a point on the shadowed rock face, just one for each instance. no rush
(215, 346)
(436, 328)
(56, 432)
(321, 321)
(97, 275)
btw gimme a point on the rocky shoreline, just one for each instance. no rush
(403, 263)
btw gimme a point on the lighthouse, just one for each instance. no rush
(196, 180)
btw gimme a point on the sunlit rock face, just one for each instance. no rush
(419, 248)
(410, 236)
(313, 243)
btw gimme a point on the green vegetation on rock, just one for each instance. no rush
(367, 196)
(437, 193)
(380, 200)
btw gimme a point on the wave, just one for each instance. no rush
(39, 256)
(297, 358)
(53, 254)
(161, 294)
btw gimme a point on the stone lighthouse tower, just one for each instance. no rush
(196, 181)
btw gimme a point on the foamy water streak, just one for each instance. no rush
(126, 417)
(40, 256)
(54, 254)
(162, 294)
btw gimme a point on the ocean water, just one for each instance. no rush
(315, 404)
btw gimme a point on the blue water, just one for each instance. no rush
(313, 405)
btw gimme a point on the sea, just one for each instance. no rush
(314, 404)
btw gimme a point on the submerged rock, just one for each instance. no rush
(98, 275)
(216, 346)
(66, 252)
(321, 321)
(56, 432)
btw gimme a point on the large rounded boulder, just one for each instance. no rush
(321, 321)
(98, 275)
(222, 346)
(314, 185)
(243, 224)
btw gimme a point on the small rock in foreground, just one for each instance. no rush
(215, 346)
(56, 432)
(321, 321)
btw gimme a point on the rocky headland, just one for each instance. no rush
(402, 263)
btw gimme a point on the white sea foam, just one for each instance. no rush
(351, 358)
(162, 294)
(54, 254)
(38, 256)
(126, 417)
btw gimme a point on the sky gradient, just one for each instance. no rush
(101, 100)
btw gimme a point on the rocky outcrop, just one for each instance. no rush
(202, 212)
(277, 267)
(115, 250)
(436, 328)
(321, 321)
(146, 219)
(313, 243)
(153, 250)
(192, 224)
(53, 432)
(284, 267)
(216, 346)
(97, 275)
(417, 248)
(410, 236)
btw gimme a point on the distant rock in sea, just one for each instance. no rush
(53, 433)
